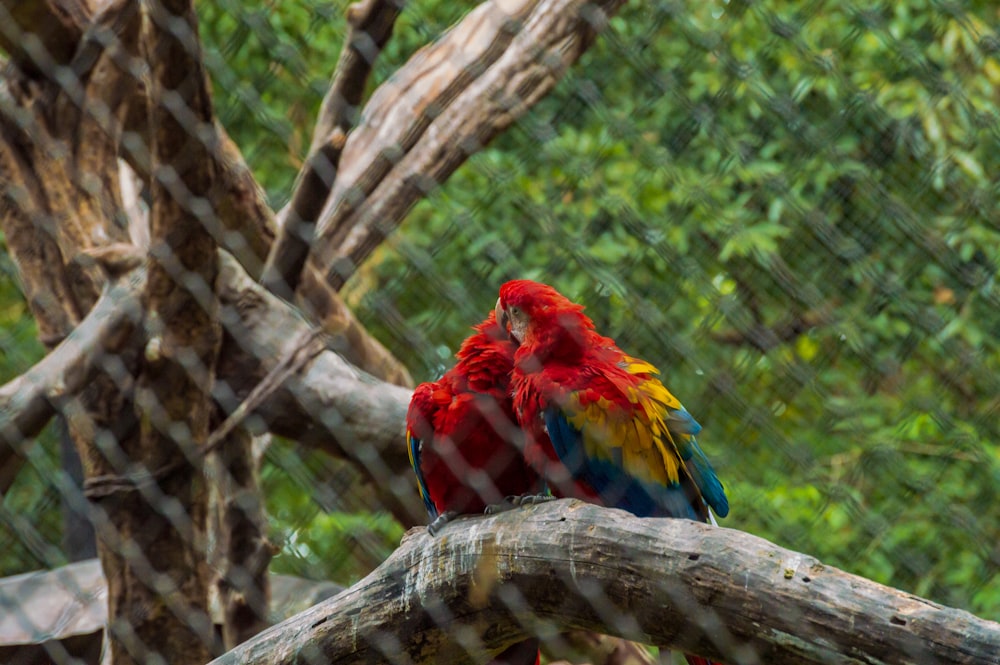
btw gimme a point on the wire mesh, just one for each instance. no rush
(790, 209)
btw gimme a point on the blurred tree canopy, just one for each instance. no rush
(790, 208)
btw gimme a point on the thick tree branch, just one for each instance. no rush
(444, 105)
(369, 26)
(29, 401)
(328, 404)
(568, 565)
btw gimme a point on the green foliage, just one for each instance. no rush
(30, 522)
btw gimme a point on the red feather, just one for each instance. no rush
(561, 354)
(467, 429)
(468, 435)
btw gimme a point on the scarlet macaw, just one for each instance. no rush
(601, 426)
(461, 432)
(599, 421)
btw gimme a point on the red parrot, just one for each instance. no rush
(461, 434)
(600, 425)
(461, 431)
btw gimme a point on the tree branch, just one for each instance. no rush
(444, 105)
(328, 404)
(369, 24)
(369, 27)
(568, 565)
(29, 401)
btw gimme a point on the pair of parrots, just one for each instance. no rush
(539, 399)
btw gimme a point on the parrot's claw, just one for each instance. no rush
(434, 527)
(517, 501)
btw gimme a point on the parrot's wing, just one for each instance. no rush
(632, 441)
(603, 468)
(413, 450)
(418, 417)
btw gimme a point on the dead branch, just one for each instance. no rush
(369, 26)
(567, 565)
(29, 401)
(328, 404)
(446, 104)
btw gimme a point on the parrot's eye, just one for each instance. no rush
(515, 310)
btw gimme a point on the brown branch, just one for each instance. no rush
(369, 27)
(693, 587)
(328, 404)
(29, 401)
(370, 24)
(444, 105)
(282, 271)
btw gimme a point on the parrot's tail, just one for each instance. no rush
(522, 653)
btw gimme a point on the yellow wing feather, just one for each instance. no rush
(641, 438)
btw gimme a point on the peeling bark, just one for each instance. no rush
(696, 588)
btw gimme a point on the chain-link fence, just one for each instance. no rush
(790, 209)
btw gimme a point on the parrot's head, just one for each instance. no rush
(535, 313)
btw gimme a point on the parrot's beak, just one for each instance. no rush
(502, 319)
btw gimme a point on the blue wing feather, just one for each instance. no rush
(413, 448)
(608, 478)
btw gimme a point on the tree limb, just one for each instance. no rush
(29, 401)
(567, 565)
(369, 26)
(449, 101)
(328, 404)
